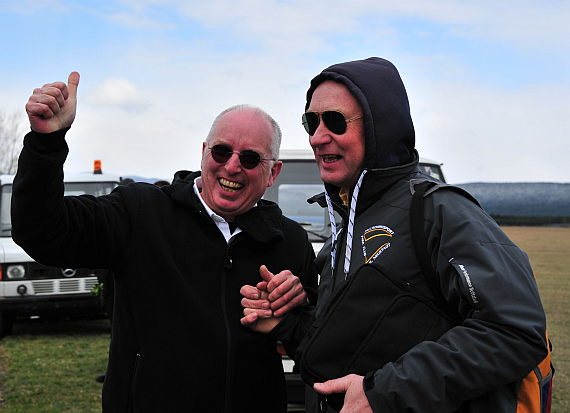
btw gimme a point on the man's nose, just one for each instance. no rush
(321, 137)
(233, 165)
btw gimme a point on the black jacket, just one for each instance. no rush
(177, 342)
(482, 274)
(476, 366)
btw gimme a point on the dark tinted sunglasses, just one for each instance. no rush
(249, 159)
(334, 121)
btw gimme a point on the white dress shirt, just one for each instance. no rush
(220, 221)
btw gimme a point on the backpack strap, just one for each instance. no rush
(419, 242)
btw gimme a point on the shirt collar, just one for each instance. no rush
(221, 223)
(343, 196)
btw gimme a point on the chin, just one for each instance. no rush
(331, 180)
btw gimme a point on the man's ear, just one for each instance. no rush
(275, 170)
(204, 149)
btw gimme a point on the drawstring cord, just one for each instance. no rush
(350, 231)
(333, 230)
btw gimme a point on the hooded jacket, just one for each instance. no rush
(177, 342)
(477, 365)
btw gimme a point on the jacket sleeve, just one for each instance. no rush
(491, 283)
(75, 231)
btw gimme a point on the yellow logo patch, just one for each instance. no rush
(376, 239)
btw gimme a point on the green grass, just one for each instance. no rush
(52, 367)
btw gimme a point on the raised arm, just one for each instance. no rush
(56, 230)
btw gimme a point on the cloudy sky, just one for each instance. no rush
(488, 81)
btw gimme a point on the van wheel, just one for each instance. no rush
(6, 325)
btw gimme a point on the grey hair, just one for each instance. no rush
(275, 139)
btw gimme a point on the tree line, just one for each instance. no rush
(12, 128)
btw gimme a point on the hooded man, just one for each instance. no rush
(358, 120)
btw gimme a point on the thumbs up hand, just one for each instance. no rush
(53, 106)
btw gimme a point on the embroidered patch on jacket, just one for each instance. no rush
(375, 241)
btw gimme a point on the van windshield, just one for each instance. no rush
(71, 188)
(313, 218)
(292, 201)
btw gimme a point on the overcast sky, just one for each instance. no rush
(488, 81)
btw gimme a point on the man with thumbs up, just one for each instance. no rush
(180, 254)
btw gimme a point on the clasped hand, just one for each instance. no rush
(271, 299)
(264, 306)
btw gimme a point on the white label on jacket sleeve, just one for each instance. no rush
(464, 274)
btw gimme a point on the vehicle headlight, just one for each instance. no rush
(16, 272)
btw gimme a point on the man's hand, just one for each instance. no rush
(52, 107)
(256, 305)
(261, 321)
(285, 291)
(355, 400)
(272, 298)
(256, 299)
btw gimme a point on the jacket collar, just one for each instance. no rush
(375, 184)
(263, 223)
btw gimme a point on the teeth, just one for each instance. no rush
(230, 186)
(330, 158)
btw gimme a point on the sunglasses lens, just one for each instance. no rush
(335, 122)
(249, 159)
(311, 122)
(221, 153)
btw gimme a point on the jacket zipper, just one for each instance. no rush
(228, 389)
(132, 398)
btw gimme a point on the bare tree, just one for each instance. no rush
(12, 128)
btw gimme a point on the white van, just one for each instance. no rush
(31, 290)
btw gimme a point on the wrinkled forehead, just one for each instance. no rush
(332, 95)
(243, 129)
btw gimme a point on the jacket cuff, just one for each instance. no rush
(372, 394)
(47, 143)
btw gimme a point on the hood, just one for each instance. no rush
(185, 176)
(182, 189)
(388, 128)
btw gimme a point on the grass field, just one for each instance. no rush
(52, 367)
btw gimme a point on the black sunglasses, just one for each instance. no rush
(249, 159)
(334, 121)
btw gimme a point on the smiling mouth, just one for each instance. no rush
(331, 158)
(230, 186)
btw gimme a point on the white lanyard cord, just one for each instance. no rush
(333, 230)
(350, 231)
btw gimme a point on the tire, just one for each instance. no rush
(6, 325)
